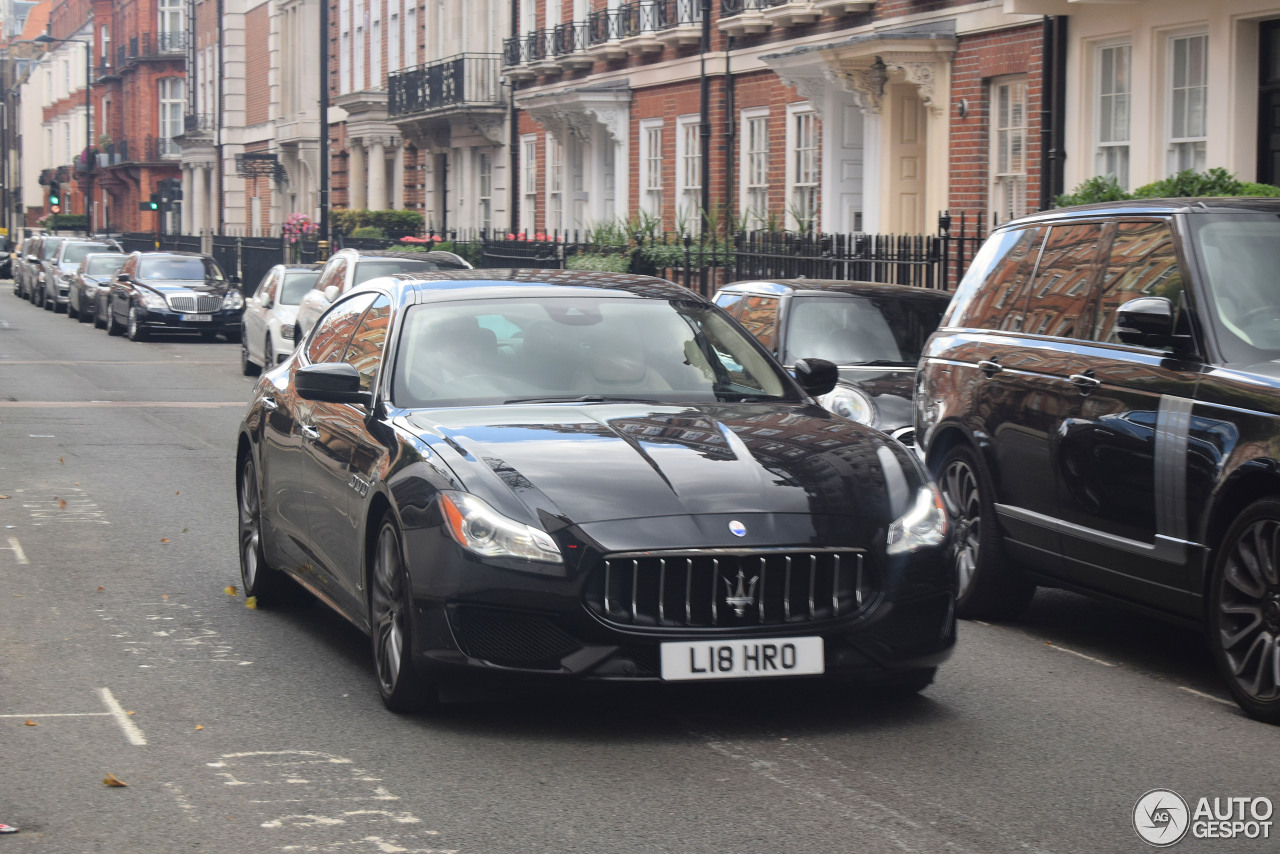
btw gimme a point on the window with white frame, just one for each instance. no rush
(1114, 90)
(484, 194)
(172, 100)
(555, 184)
(411, 36)
(1188, 91)
(529, 181)
(754, 168)
(688, 174)
(358, 51)
(803, 173)
(344, 46)
(651, 167)
(171, 24)
(1009, 157)
(104, 35)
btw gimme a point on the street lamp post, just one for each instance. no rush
(45, 38)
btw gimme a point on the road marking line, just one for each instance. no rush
(1081, 655)
(16, 548)
(131, 730)
(63, 715)
(1206, 696)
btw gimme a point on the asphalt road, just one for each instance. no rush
(240, 730)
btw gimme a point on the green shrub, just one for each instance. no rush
(1189, 183)
(612, 262)
(1251, 189)
(391, 222)
(1103, 188)
(368, 231)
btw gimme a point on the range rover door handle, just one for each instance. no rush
(309, 432)
(1085, 382)
(269, 403)
(990, 367)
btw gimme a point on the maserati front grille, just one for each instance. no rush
(200, 304)
(711, 588)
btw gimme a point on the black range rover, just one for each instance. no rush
(1100, 409)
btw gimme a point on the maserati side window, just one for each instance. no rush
(332, 333)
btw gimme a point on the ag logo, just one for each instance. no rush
(1161, 817)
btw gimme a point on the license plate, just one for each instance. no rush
(738, 659)
(204, 317)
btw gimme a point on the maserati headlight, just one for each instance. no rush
(848, 402)
(479, 528)
(923, 525)
(151, 299)
(233, 299)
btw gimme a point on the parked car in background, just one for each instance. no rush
(269, 315)
(90, 284)
(585, 476)
(1101, 407)
(33, 269)
(173, 292)
(6, 256)
(21, 262)
(60, 270)
(875, 332)
(350, 267)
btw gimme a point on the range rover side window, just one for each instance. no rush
(1060, 291)
(997, 300)
(1142, 263)
(760, 318)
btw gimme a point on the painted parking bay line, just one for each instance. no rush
(114, 710)
(16, 547)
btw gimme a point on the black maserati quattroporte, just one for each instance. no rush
(584, 476)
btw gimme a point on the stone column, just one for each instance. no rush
(357, 177)
(397, 175)
(199, 200)
(377, 176)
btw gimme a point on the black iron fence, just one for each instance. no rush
(936, 261)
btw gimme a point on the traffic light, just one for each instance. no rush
(155, 201)
(55, 197)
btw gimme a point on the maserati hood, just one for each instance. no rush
(607, 461)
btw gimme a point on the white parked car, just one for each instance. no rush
(270, 313)
(350, 267)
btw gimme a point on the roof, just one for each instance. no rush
(544, 282)
(1158, 207)
(781, 287)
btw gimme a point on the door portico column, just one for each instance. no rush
(377, 176)
(357, 177)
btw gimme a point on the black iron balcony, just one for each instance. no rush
(729, 8)
(197, 123)
(642, 18)
(472, 79)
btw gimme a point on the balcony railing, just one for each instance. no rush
(165, 45)
(472, 79)
(644, 26)
(196, 123)
(148, 150)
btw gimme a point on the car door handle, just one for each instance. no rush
(990, 367)
(1085, 382)
(309, 432)
(270, 403)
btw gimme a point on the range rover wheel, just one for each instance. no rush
(261, 580)
(403, 687)
(986, 585)
(137, 330)
(1244, 610)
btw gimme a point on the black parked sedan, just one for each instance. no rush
(585, 476)
(90, 284)
(875, 332)
(173, 292)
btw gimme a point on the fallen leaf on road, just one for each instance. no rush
(30, 722)
(230, 590)
(3, 497)
(184, 530)
(111, 780)
(199, 726)
(59, 459)
(164, 539)
(164, 595)
(62, 504)
(251, 602)
(130, 713)
(100, 589)
(179, 492)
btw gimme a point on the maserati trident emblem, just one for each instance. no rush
(737, 528)
(743, 597)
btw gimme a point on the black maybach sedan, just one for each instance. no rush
(584, 476)
(173, 292)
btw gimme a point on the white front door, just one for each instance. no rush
(844, 159)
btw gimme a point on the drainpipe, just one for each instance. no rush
(704, 123)
(513, 183)
(217, 147)
(1052, 101)
(323, 153)
(730, 138)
